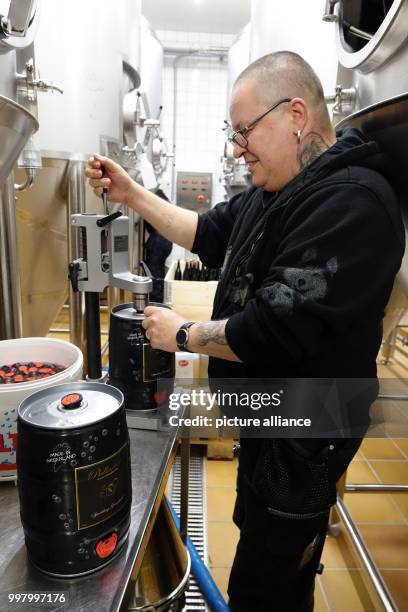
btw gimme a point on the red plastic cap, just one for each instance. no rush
(105, 548)
(72, 400)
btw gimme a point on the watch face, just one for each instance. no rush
(181, 337)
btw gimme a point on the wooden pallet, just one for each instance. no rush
(217, 448)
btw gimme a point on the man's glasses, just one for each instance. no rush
(238, 137)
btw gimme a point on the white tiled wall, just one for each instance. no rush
(202, 104)
(201, 107)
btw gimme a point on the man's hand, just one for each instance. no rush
(115, 179)
(162, 325)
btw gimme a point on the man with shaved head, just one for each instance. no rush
(308, 254)
(290, 82)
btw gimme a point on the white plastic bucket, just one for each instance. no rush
(22, 350)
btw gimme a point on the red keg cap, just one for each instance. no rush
(160, 397)
(71, 401)
(104, 548)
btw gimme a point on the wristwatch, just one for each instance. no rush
(182, 336)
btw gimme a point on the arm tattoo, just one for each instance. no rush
(211, 331)
(313, 146)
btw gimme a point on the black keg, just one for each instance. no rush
(74, 481)
(144, 375)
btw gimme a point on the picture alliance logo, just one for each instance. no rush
(195, 397)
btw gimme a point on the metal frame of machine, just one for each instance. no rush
(104, 262)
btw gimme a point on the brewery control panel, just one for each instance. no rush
(194, 190)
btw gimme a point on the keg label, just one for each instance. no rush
(102, 488)
(155, 364)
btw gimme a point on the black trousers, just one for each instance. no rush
(276, 558)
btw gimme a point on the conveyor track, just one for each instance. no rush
(197, 522)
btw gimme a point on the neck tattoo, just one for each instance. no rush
(312, 146)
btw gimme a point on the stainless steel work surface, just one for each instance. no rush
(104, 590)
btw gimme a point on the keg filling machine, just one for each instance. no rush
(103, 262)
(103, 244)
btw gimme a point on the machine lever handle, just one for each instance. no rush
(104, 192)
(108, 219)
(73, 269)
(145, 269)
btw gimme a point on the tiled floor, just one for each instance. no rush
(382, 519)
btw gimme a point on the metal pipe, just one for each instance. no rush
(400, 350)
(176, 62)
(11, 319)
(375, 488)
(382, 396)
(75, 204)
(329, 14)
(375, 576)
(93, 335)
(105, 348)
(113, 299)
(101, 308)
(357, 32)
(66, 330)
(184, 477)
(30, 174)
(217, 52)
(389, 347)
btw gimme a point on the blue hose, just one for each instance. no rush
(204, 579)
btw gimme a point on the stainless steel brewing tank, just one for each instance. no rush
(295, 26)
(42, 223)
(387, 123)
(372, 48)
(238, 58)
(73, 465)
(376, 65)
(16, 127)
(7, 72)
(17, 17)
(151, 67)
(81, 46)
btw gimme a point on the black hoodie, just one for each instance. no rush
(307, 272)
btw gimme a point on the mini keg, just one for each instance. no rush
(144, 375)
(74, 481)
